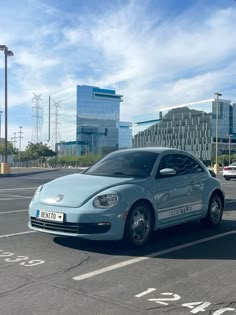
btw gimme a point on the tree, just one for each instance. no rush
(10, 149)
(38, 151)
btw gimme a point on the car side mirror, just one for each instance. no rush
(167, 172)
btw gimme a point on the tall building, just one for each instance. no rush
(193, 128)
(125, 135)
(98, 126)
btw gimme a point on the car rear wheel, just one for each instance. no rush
(139, 224)
(215, 211)
(227, 178)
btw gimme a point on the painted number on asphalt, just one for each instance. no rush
(163, 301)
(195, 307)
(22, 260)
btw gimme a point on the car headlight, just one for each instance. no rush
(36, 194)
(106, 201)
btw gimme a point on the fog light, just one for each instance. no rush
(103, 223)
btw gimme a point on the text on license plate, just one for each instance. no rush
(50, 216)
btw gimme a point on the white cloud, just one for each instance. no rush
(150, 58)
(28, 59)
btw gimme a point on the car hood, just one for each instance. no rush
(76, 189)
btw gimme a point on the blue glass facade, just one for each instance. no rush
(95, 103)
(225, 119)
(234, 119)
(98, 116)
(98, 126)
(125, 135)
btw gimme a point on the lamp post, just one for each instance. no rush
(229, 147)
(8, 53)
(1, 131)
(216, 166)
(20, 137)
(1, 125)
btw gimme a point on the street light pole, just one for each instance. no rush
(7, 54)
(229, 147)
(1, 125)
(216, 166)
(20, 137)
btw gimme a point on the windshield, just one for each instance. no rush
(125, 164)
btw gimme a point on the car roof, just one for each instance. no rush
(154, 149)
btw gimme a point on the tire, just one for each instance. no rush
(227, 178)
(139, 225)
(215, 211)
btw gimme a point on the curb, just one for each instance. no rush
(27, 173)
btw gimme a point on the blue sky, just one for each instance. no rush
(156, 53)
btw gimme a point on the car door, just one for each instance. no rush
(178, 197)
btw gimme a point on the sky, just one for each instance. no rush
(157, 53)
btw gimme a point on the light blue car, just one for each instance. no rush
(127, 195)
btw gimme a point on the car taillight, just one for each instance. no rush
(226, 168)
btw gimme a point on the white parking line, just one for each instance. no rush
(15, 198)
(156, 254)
(17, 234)
(14, 211)
(27, 188)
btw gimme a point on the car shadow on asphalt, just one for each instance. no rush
(164, 240)
(230, 205)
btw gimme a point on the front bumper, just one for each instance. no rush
(73, 228)
(94, 224)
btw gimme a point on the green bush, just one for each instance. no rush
(74, 161)
(224, 159)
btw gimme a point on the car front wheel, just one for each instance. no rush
(215, 211)
(138, 225)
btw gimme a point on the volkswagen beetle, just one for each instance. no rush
(127, 195)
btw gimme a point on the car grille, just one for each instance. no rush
(76, 228)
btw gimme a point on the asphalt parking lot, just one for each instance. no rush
(183, 270)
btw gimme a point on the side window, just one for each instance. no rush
(187, 165)
(183, 164)
(168, 161)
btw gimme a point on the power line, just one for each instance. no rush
(56, 122)
(58, 91)
(20, 137)
(37, 118)
(14, 140)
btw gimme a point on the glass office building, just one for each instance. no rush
(192, 128)
(125, 135)
(98, 126)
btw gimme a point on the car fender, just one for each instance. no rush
(212, 185)
(129, 194)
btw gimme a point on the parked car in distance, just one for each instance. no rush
(127, 195)
(229, 171)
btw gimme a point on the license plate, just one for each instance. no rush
(50, 216)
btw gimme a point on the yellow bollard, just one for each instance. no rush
(5, 168)
(216, 168)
